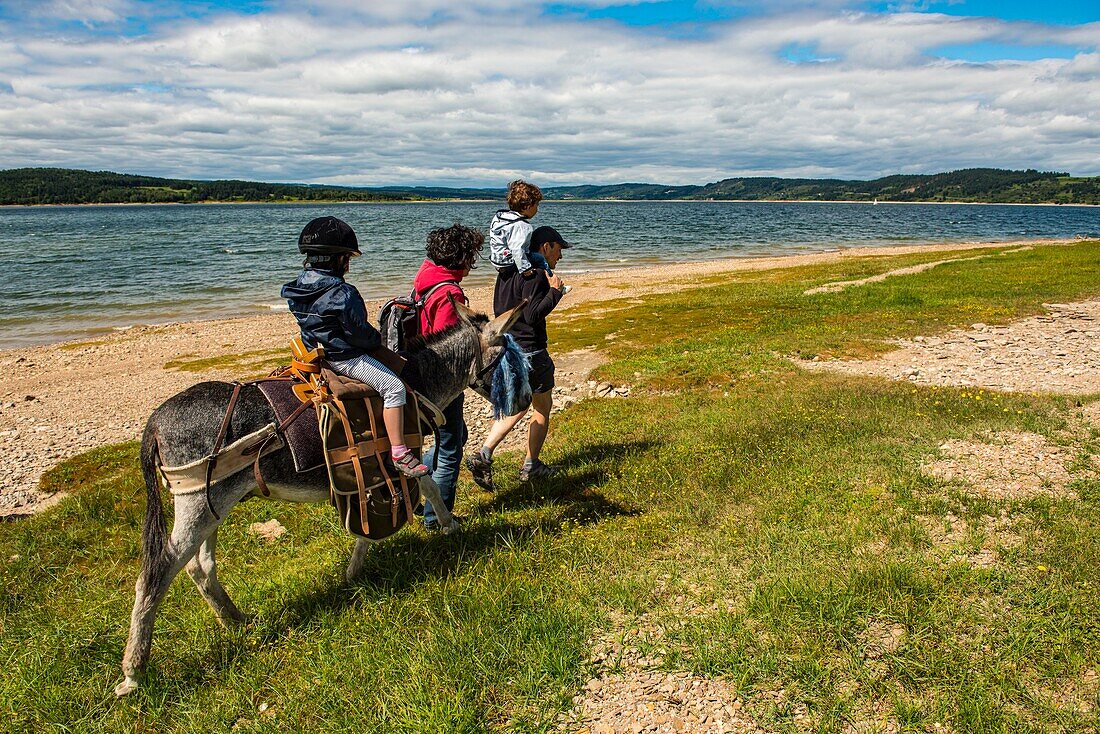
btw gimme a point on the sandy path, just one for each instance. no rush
(911, 270)
(64, 399)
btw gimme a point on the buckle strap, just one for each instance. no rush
(212, 460)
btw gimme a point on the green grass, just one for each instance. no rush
(790, 501)
(258, 362)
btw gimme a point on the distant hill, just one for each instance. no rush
(968, 185)
(68, 186)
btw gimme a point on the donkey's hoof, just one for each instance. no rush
(128, 685)
(453, 529)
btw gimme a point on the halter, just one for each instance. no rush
(481, 373)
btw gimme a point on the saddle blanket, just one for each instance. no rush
(303, 437)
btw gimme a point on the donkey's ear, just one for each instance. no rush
(501, 324)
(465, 313)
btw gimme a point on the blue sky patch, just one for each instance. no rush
(1065, 12)
(803, 53)
(662, 12)
(668, 12)
(992, 51)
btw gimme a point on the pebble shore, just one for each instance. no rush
(64, 399)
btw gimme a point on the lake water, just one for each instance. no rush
(78, 271)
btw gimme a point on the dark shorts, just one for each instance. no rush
(541, 375)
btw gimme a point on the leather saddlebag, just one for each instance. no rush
(372, 499)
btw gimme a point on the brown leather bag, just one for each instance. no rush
(372, 500)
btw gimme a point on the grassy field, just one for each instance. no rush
(785, 508)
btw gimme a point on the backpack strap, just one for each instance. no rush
(423, 300)
(428, 293)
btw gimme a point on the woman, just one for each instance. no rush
(451, 254)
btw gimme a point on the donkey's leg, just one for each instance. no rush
(203, 571)
(358, 556)
(429, 490)
(193, 525)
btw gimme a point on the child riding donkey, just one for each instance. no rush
(332, 315)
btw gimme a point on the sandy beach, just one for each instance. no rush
(64, 399)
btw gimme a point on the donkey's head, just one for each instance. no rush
(499, 374)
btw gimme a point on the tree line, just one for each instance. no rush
(30, 186)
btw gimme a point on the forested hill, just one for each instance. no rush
(969, 185)
(68, 186)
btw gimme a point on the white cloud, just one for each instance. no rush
(85, 11)
(492, 91)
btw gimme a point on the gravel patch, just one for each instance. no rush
(955, 539)
(630, 694)
(1058, 352)
(660, 702)
(1010, 465)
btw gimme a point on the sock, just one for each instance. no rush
(528, 463)
(398, 450)
(487, 453)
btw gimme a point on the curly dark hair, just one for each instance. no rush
(454, 247)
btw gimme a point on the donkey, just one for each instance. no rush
(183, 429)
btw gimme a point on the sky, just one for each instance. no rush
(480, 92)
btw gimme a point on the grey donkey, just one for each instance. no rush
(184, 429)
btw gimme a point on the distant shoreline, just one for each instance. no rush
(590, 285)
(336, 202)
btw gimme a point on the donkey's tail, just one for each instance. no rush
(154, 533)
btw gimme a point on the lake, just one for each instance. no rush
(78, 271)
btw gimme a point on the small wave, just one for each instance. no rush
(122, 328)
(275, 306)
(229, 251)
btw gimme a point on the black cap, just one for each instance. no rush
(328, 236)
(544, 234)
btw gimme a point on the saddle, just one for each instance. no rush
(372, 499)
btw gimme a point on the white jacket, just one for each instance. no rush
(509, 237)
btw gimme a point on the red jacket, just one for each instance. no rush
(437, 313)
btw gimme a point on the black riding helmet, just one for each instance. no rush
(328, 236)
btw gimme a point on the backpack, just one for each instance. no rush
(399, 319)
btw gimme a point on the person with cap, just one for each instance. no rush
(542, 290)
(331, 314)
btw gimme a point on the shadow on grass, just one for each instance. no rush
(399, 564)
(572, 486)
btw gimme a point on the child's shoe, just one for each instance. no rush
(410, 466)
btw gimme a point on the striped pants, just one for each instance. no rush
(374, 373)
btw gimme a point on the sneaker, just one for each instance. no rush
(536, 470)
(482, 469)
(410, 466)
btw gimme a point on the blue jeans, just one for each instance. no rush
(452, 439)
